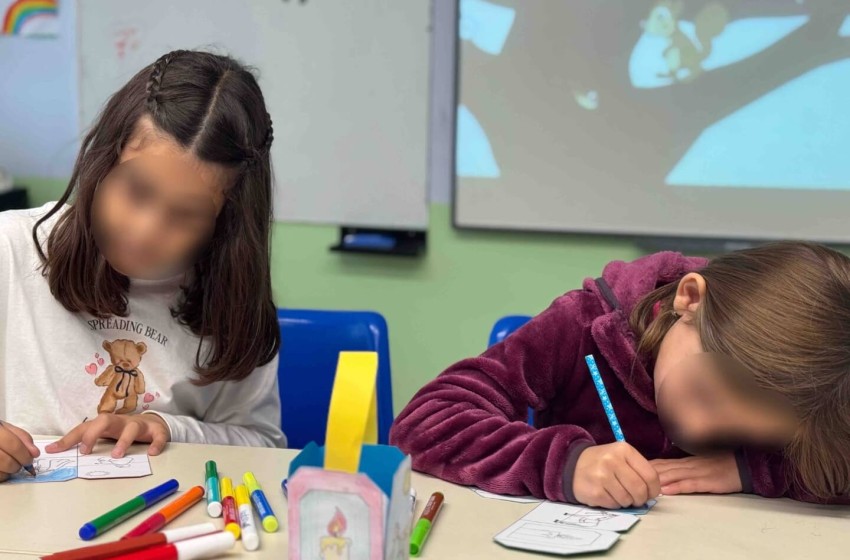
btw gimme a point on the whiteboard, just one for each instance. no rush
(346, 83)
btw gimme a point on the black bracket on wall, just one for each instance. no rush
(395, 242)
(14, 199)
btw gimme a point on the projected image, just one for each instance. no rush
(678, 93)
(485, 25)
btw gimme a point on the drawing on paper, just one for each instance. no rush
(558, 515)
(336, 546)
(100, 466)
(586, 518)
(531, 532)
(69, 464)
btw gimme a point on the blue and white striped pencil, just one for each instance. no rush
(603, 396)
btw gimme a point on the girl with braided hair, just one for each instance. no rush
(155, 259)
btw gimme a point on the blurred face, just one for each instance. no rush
(157, 208)
(707, 401)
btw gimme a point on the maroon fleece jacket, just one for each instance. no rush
(469, 425)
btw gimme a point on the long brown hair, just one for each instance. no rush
(783, 311)
(212, 106)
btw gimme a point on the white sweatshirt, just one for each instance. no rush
(58, 368)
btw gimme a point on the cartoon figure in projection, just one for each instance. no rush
(683, 55)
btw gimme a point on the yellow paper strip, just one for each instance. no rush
(353, 419)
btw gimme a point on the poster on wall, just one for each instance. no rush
(30, 18)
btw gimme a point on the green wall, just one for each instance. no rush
(439, 308)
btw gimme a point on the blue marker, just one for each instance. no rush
(285, 487)
(264, 510)
(603, 396)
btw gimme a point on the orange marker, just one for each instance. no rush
(167, 514)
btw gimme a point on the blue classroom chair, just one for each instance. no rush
(503, 327)
(311, 341)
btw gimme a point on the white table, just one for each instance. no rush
(42, 518)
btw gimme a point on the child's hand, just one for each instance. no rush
(715, 474)
(16, 450)
(126, 429)
(613, 476)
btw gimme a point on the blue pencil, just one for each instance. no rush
(603, 396)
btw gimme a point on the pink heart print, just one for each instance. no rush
(146, 406)
(100, 361)
(91, 369)
(148, 398)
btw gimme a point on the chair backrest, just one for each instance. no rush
(505, 326)
(500, 331)
(311, 341)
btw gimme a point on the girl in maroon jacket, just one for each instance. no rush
(726, 375)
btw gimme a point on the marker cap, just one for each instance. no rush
(420, 533)
(226, 488)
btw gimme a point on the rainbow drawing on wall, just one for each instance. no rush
(30, 18)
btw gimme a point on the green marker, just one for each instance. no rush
(213, 490)
(426, 521)
(126, 510)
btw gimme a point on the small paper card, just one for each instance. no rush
(68, 465)
(565, 529)
(578, 516)
(555, 539)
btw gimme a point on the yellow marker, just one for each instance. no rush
(353, 419)
(250, 537)
(228, 506)
(264, 509)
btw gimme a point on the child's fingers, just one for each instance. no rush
(607, 501)
(14, 447)
(665, 466)
(617, 491)
(646, 471)
(9, 464)
(105, 425)
(126, 439)
(676, 475)
(687, 486)
(157, 433)
(69, 440)
(25, 438)
(658, 463)
(633, 484)
(601, 498)
(4, 476)
(160, 439)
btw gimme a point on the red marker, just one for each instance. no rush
(110, 550)
(201, 547)
(167, 514)
(229, 510)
